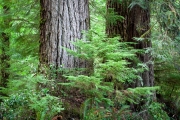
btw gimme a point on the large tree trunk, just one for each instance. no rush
(136, 23)
(62, 22)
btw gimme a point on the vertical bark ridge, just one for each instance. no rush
(62, 22)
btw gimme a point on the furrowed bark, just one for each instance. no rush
(62, 22)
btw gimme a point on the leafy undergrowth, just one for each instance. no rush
(101, 95)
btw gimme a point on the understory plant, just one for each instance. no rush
(27, 96)
(166, 37)
(105, 88)
(157, 112)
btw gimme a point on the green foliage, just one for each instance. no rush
(157, 112)
(23, 28)
(25, 98)
(108, 113)
(141, 3)
(165, 37)
(27, 94)
(104, 87)
(112, 17)
(167, 15)
(31, 99)
(45, 105)
(167, 70)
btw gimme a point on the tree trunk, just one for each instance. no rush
(136, 23)
(4, 58)
(62, 22)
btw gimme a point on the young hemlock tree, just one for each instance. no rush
(108, 64)
(134, 24)
(105, 86)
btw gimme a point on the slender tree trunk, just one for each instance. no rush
(136, 23)
(4, 57)
(62, 22)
